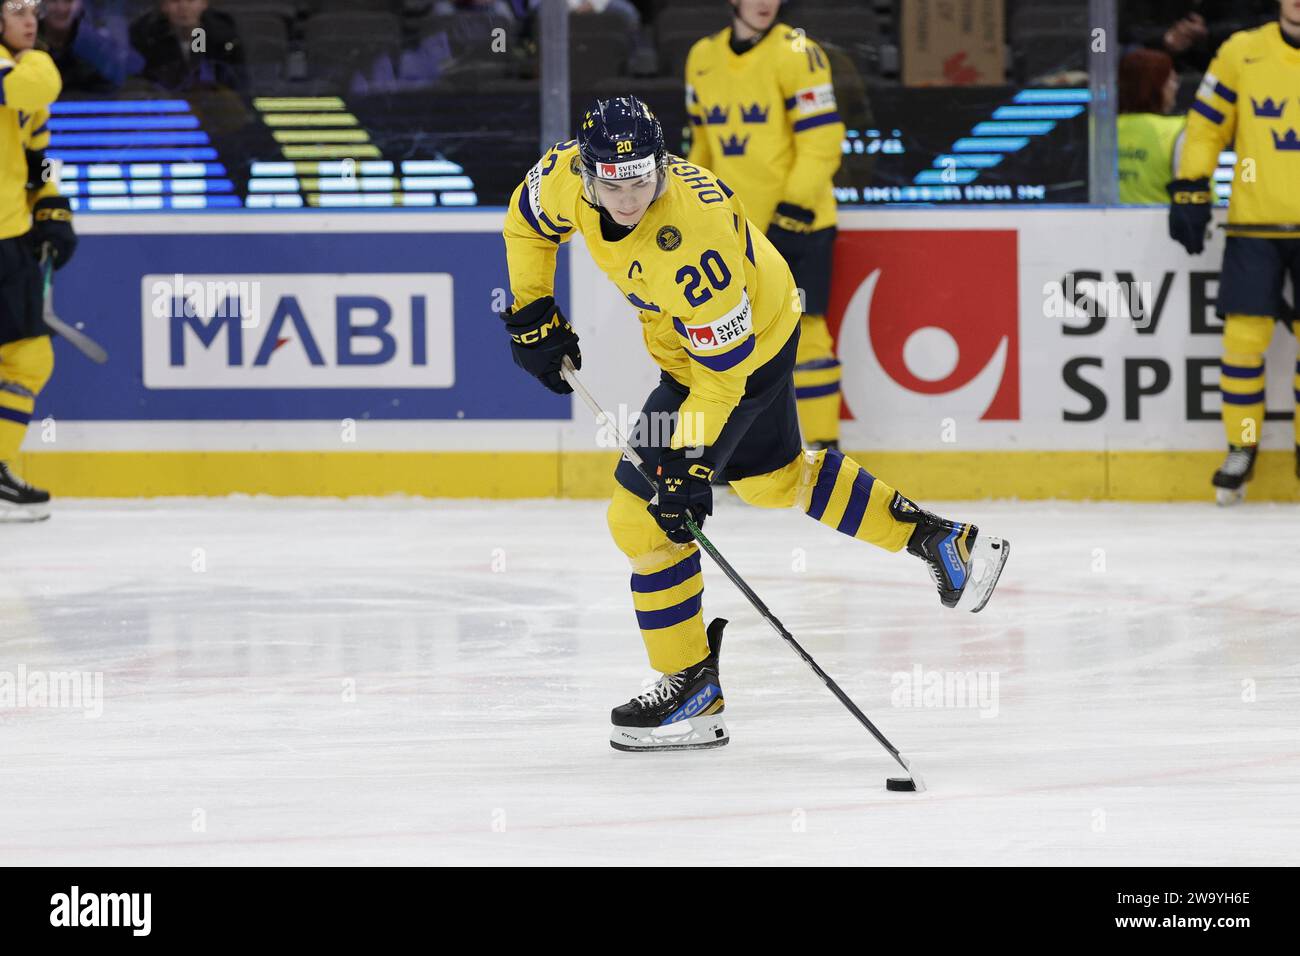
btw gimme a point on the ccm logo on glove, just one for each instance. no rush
(540, 340)
(533, 336)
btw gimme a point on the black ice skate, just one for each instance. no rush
(19, 501)
(964, 564)
(1237, 469)
(681, 712)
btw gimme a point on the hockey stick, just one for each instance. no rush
(570, 376)
(82, 342)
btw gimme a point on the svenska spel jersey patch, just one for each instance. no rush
(815, 98)
(731, 328)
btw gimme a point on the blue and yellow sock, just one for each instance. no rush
(1241, 376)
(667, 586)
(817, 382)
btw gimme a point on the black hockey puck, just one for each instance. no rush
(900, 783)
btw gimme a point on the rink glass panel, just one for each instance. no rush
(402, 105)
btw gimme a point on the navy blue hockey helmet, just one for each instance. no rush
(620, 138)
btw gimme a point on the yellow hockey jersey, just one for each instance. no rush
(715, 299)
(766, 121)
(1251, 93)
(27, 88)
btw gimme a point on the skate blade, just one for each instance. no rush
(1227, 497)
(986, 562)
(702, 733)
(23, 514)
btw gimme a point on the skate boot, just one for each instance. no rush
(964, 564)
(1237, 469)
(681, 712)
(19, 501)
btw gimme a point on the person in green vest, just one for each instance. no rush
(1150, 140)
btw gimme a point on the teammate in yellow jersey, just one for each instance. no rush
(763, 117)
(32, 214)
(719, 316)
(1250, 96)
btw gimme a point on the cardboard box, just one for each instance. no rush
(954, 42)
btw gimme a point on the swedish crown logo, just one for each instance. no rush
(1268, 109)
(733, 145)
(1288, 141)
(755, 113)
(716, 116)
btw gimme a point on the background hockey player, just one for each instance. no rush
(32, 214)
(720, 317)
(1249, 95)
(763, 117)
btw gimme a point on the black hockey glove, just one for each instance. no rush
(52, 223)
(1190, 202)
(683, 485)
(792, 218)
(540, 338)
(789, 231)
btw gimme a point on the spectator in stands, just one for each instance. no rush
(502, 8)
(89, 61)
(187, 46)
(1190, 31)
(623, 9)
(1150, 140)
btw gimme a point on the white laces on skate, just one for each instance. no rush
(1237, 462)
(668, 685)
(9, 478)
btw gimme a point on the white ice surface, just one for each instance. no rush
(1148, 708)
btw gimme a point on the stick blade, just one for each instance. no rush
(912, 783)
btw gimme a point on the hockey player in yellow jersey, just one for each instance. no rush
(32, 216)
(719, 316)
(763, 117)
(1250, 97)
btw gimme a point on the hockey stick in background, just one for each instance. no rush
(913, 780)
(82, 342)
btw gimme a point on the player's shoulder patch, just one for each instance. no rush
(669, 238)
